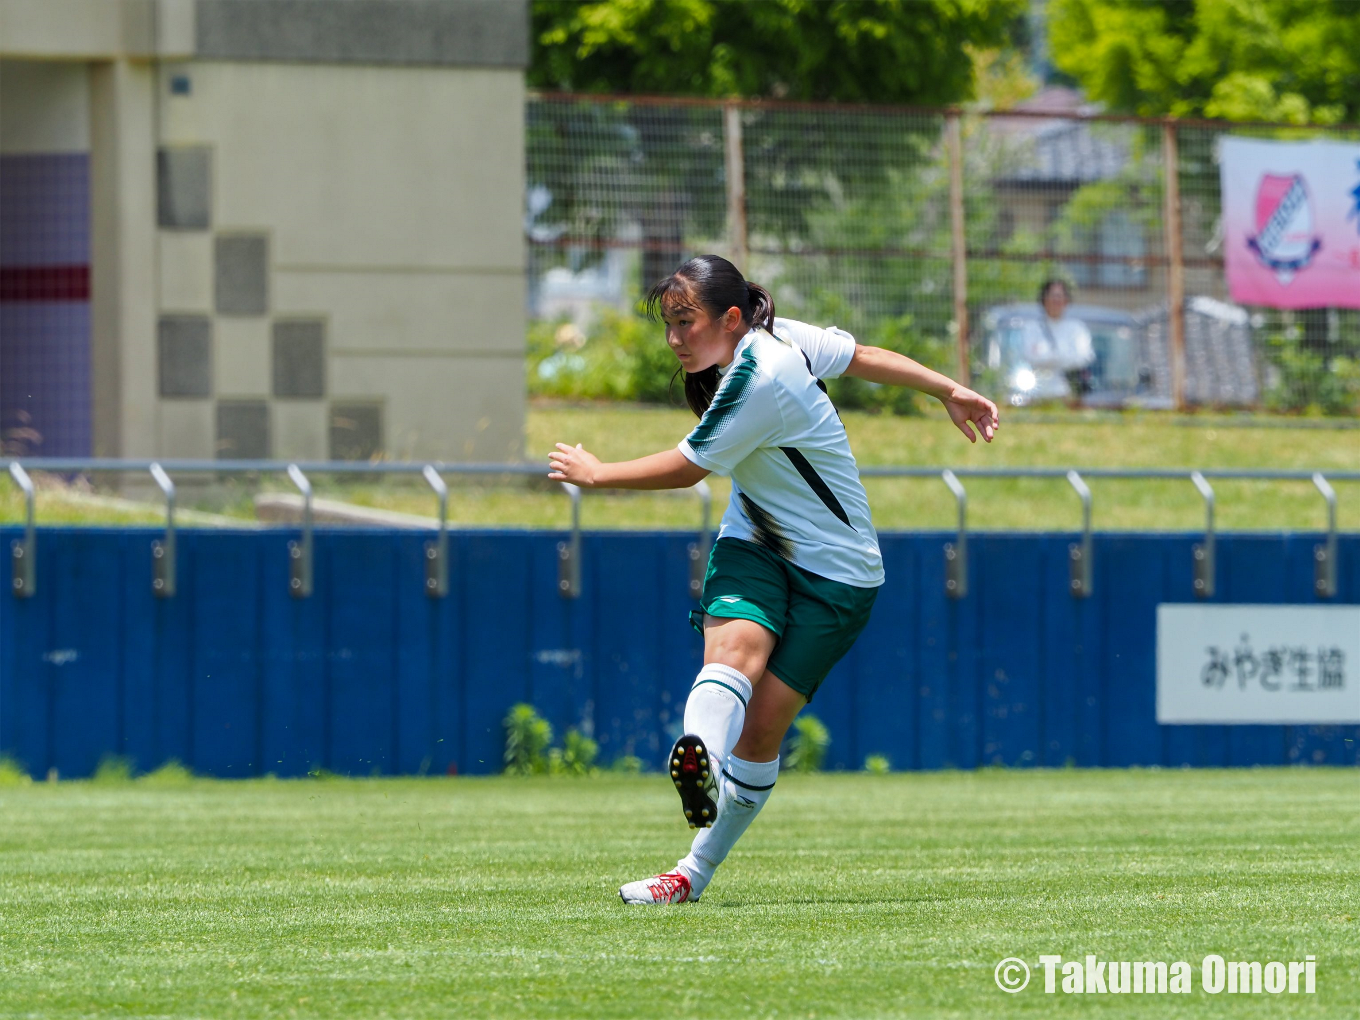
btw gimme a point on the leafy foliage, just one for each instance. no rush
(113, 769)
(893, 51)
(621, 357)
(1309, 381)
(628, 764)
(172, 773)
(527, 736)
(576, 756)
(808, 745)
(877, 765)
(1296, 61)
(12, 773)
(528, 750)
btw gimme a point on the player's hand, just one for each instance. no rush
(967, 409)
(573, 464)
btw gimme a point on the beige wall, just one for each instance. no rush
(96, 29)
(123, 259)
(384, 168)
(391, 197)
(44, 107)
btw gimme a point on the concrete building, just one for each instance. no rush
(262, 228)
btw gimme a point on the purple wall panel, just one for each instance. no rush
(45, 378)
(45, 210)
(44, 304)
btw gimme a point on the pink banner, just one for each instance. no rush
(1291, 222)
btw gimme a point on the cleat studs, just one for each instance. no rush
(703, 774)
(677, 784)
(704, 812)
(675, 774)
(693, 826)
(689, 813)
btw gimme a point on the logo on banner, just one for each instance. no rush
(1286, 239)
(1354, 214)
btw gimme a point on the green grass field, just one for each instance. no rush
(621, 431)
(852, 896)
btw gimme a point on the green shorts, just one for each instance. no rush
(814, 618)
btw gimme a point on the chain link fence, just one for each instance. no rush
(928, 231)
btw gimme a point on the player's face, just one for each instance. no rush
(698, 339)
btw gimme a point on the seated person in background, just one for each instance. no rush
(1058, 342)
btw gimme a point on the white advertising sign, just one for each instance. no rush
(1293, 665)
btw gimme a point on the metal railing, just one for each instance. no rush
(300, 550)
(956, 584)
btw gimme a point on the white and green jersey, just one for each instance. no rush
(795, 486)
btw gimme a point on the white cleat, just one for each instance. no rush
(663, 890)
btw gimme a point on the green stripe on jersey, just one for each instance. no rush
(727, 402)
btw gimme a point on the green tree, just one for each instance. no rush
(840, 182)
(864, 51)
(1296, 61)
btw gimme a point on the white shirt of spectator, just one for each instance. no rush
(795, 485)
(1061, 344)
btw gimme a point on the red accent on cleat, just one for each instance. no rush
(670, 888)
(691, 761)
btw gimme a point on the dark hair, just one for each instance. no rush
(1048, 285)
(712, 283)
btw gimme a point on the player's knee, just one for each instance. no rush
(748, 664)
(739, 651)
(759, 742)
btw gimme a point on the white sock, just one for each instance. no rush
(716, 709)
(745, 787)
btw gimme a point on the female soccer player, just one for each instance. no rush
(793, 574)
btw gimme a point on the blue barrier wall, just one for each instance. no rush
(235, 678)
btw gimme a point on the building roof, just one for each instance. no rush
(1067, 152)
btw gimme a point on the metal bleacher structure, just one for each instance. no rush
(286, 649)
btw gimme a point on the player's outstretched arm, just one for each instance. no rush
(669, 469)
(966, 408)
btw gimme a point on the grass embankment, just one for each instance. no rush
(853, 895)
(618, 432)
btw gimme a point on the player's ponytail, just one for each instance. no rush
(713, 283)
(761, 305)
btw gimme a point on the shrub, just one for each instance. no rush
(172, 773)
(113, 769)
(628, 764)
(12, 773)
(527, 736)
(1307, 379)
(620, 357)
(877, 765)
(808, 745)
(576, 757)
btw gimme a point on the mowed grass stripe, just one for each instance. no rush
(852, 896)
